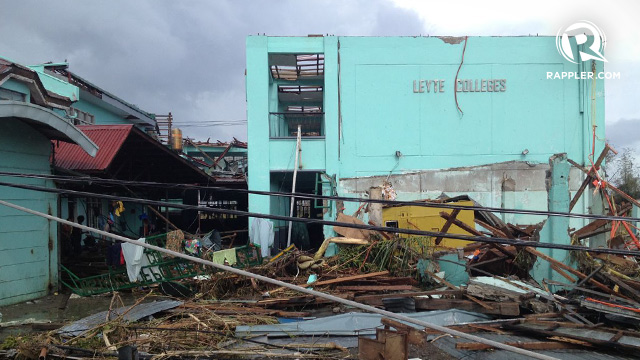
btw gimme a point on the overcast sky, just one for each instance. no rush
(188, 57)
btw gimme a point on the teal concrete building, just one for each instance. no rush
(30, 119)
(96, 106)
(478, 116)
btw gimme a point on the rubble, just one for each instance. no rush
(593, 310)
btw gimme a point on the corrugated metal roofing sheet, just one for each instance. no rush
(130, 314)
(109, 139)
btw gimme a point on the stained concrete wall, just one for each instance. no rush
(500, 141)
(527, 186)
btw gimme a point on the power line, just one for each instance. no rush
(301, 289)
(482, 239)
(88, 179)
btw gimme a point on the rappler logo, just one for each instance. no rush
(584, 32)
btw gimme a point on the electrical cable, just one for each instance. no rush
(368, 308)
(482, 239)
(92, 180)
(455, 81)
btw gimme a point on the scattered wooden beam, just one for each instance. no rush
(569, 269)
(348, 278)
(592, 228)
(374, 288)
(475, 232)
(414, 336)
(497, 308)
(587, 180)
(447, 224)
(607, 184)
(635, 293)
(338, 240)
(495, 231)
(376, 300)
(535, 345)
(453, 287)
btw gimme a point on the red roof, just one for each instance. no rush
(109, 139)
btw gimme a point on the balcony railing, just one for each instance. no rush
(285, 124)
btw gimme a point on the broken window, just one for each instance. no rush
(297, 95)
(294, 67)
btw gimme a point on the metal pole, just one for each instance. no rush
(293, 287)
(293, 187)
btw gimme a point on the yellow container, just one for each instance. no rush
(429, 219)
(176, 139)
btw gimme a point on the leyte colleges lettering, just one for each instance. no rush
(462, 85)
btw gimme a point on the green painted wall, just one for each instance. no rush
(102, 115)
(18, 86)
(56, 85)
(372, 111)
(28, 244)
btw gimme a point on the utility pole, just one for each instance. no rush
(293, 187)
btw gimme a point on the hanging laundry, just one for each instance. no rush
(133, 255)
(118, 208)
(262, 234)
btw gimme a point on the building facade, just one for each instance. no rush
(30, 119)
(473, 116)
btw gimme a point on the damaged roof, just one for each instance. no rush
(126, 152)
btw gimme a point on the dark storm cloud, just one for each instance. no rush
(624, 133)
(182, 56)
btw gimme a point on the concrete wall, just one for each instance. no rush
(372, 111)
(28, 244)
(18, 86)
(102, 115)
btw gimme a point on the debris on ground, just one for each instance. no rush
(483, 288)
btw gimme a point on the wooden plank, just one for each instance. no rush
(587, 180)
(502, 308)
(447, 225)
(601, 343)
(496, 232)
(348, 278)
(453, 287)
(464, 328)
(535, 345)
(591, 228)
(374, 287)
(569, 269)
(370, 349)
(475, 232)
(460, 224)
(414, 336)
(608, 184)
(235, 310)
(395, 344)
(338, 240)
(376, 300)
(557, 269)
(635, 293)
(617, 336)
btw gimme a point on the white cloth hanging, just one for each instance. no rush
(262, 234)
(133, 258)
